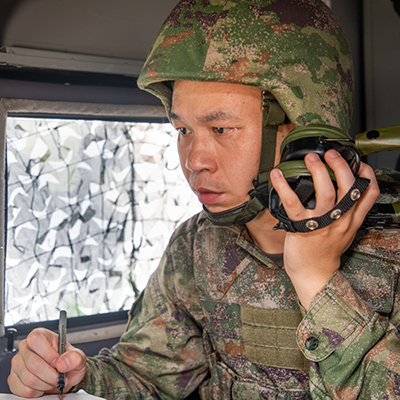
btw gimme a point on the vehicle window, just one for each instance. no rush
(91, 205)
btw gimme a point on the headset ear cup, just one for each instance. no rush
(316, 130)
(300, 180)
(300, 142)
(354, 158)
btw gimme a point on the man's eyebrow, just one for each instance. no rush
(218, 115)
(175, 116)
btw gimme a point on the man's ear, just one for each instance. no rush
(281, 133)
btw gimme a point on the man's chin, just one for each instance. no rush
(215, 209)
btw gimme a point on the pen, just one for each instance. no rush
(62, 345)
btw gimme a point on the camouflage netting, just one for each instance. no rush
(91, 206)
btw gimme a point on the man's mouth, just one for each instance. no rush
(207, 196)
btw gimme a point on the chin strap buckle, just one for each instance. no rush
(312, 224)
(261, 192)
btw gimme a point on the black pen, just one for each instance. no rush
(62, 345)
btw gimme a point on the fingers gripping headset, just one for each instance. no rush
(320, 139)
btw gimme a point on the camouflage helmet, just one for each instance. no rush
(293, 50)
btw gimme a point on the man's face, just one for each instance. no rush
(219, 140)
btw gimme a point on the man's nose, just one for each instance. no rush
(201, 153)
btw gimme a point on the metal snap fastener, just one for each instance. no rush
(336, 214)
(311, 224)
(311, 343)
(355, 194)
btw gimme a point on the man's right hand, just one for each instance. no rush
(35, 368)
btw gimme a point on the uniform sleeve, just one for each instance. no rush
(161, 354)
(354, 351)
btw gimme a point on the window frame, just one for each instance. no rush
(58, 109)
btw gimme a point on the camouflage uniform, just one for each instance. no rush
(221, 314)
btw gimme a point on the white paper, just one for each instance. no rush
(81, 395)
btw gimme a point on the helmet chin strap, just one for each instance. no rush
(272, 116)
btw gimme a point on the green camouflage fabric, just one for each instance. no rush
(293, 49)
(388, 180)
(221, 317)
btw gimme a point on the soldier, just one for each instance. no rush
(236, 309)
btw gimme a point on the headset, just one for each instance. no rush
(319, 139)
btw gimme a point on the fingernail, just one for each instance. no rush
(276, 173)
(332, 154)
(53, 363)
(65, 364)
(312, 157)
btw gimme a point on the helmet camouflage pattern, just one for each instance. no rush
(293, 49)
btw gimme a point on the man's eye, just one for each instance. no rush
(182, 131)
(221, 131)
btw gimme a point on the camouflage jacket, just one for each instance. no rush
(220, 315)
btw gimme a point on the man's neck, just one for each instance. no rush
(261, 227)
(263, 235)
